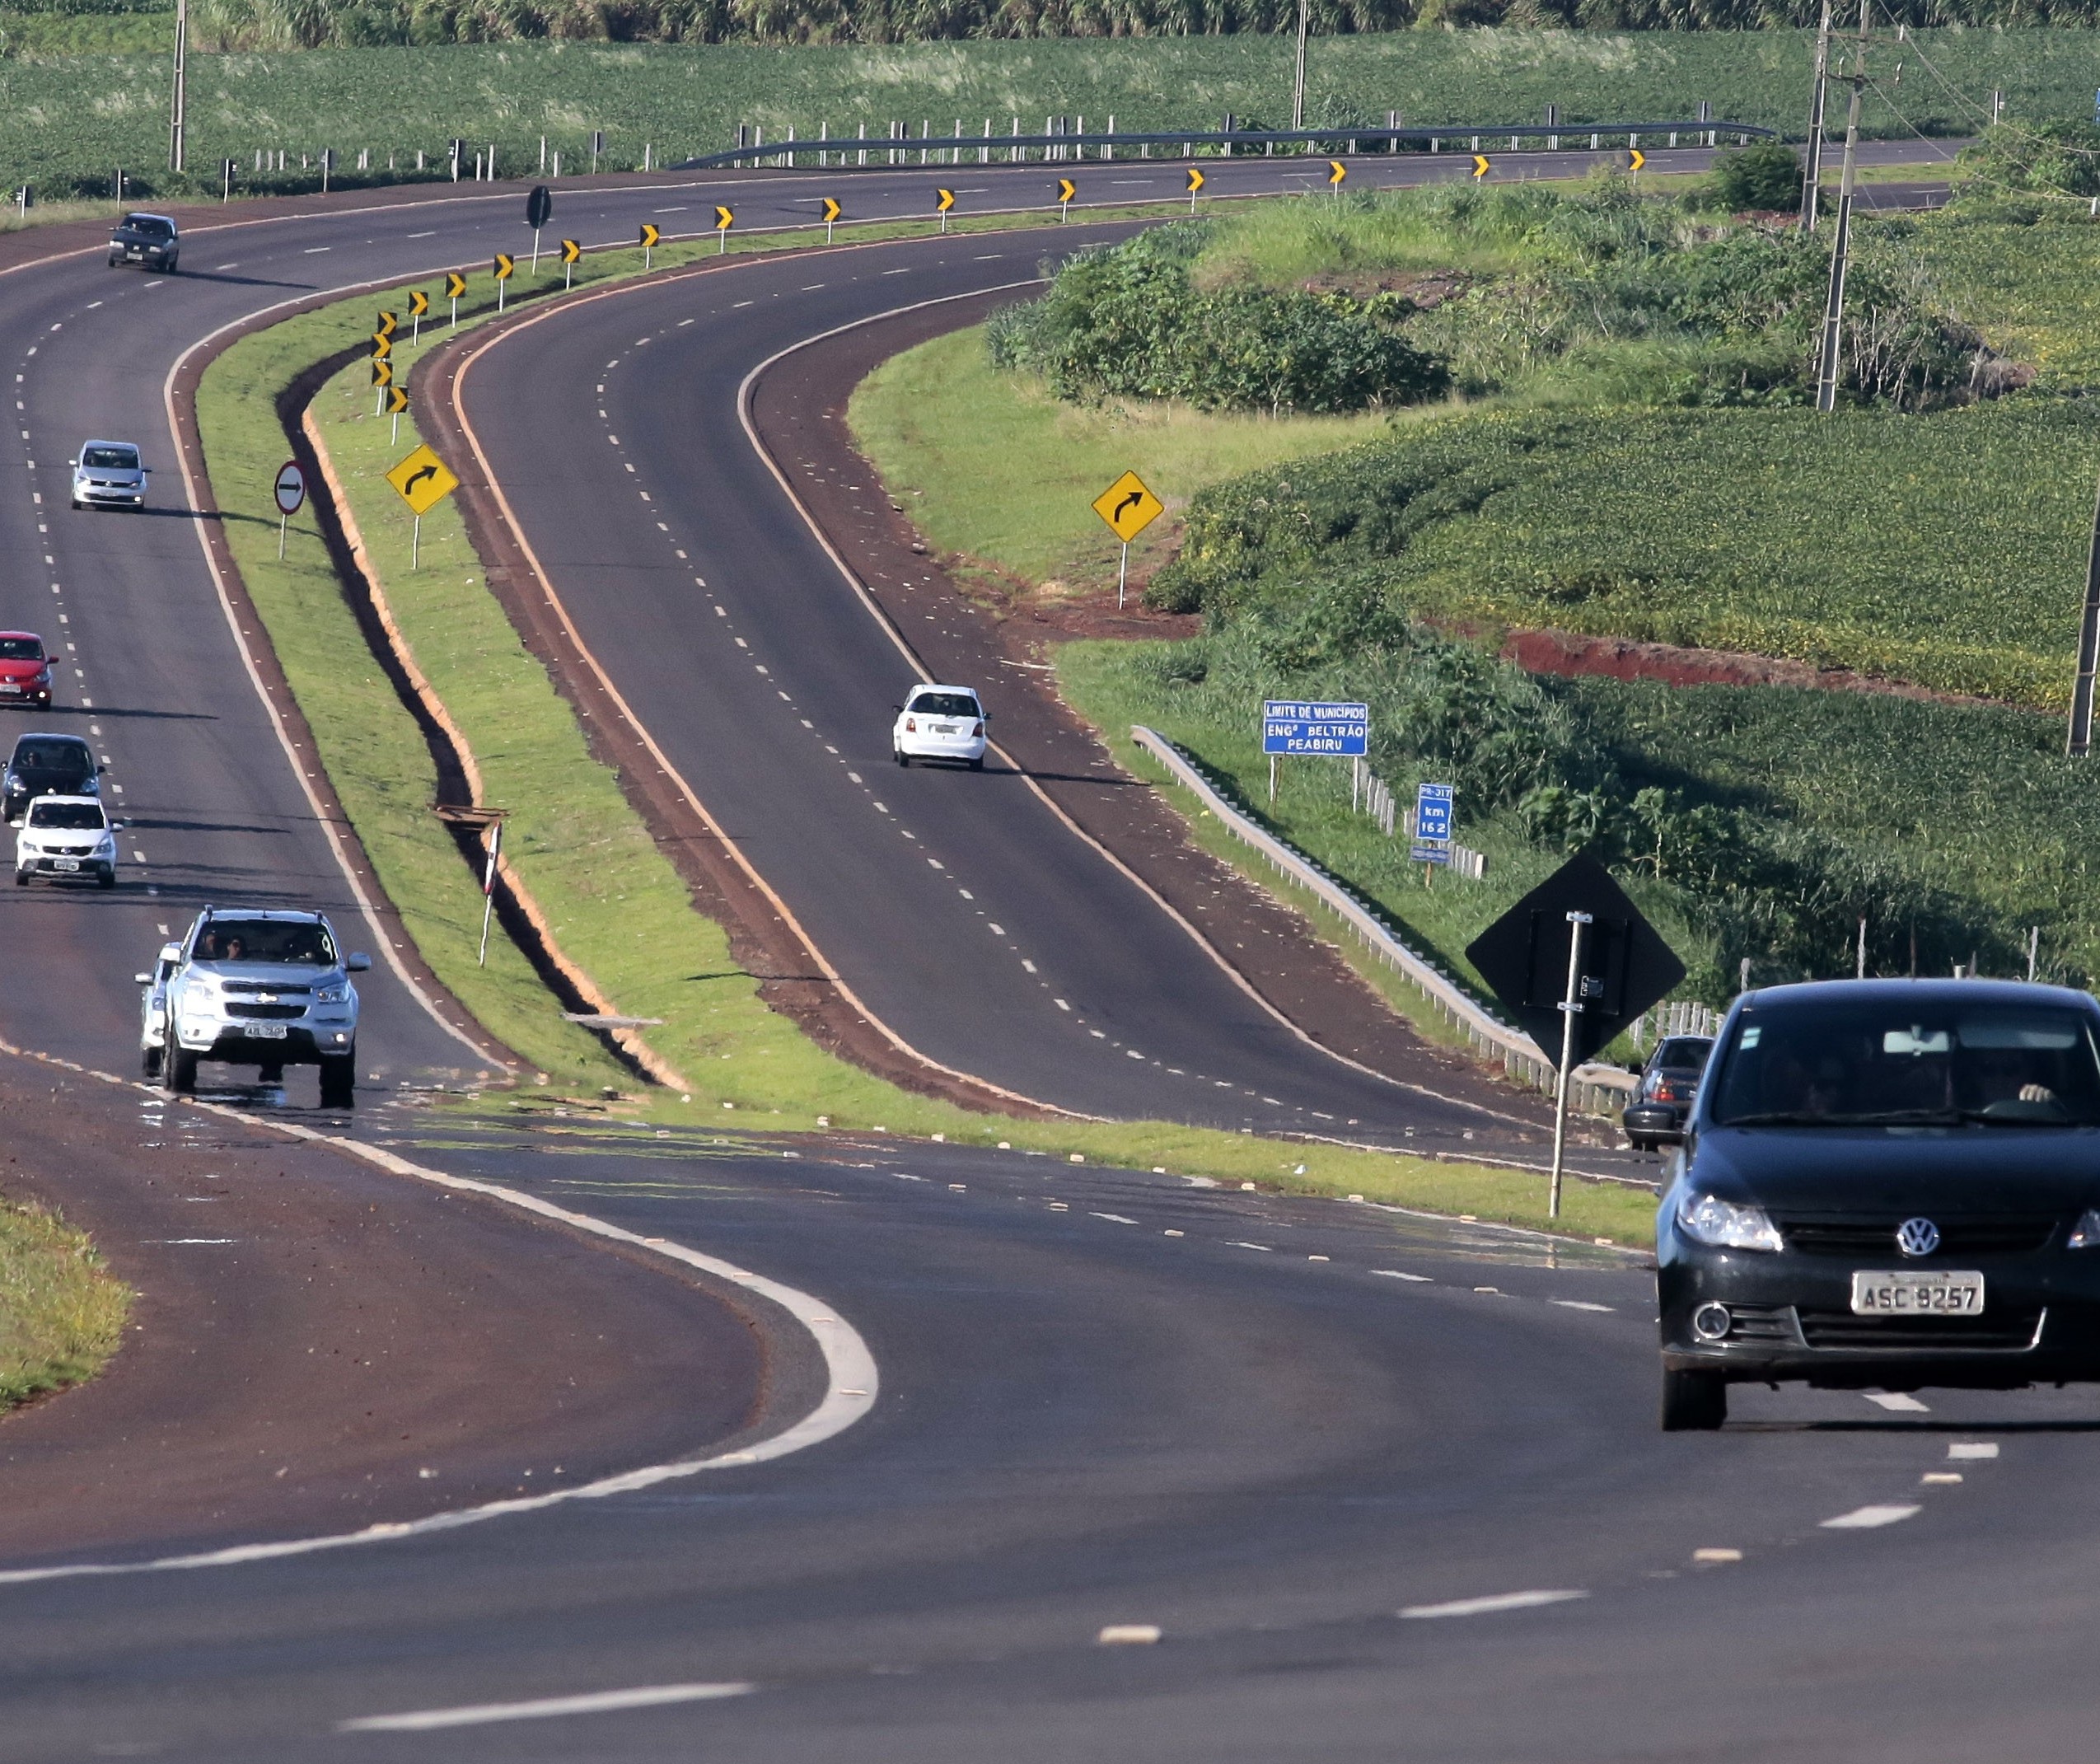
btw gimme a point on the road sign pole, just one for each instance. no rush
(1272, 780)
(282, 520)
(416, 543)
(2080, 743)
(499, 293)
(536, 251)
(393, 439)
(1122, 573)
(488, 886)
(1571, 1007)
(456, 312)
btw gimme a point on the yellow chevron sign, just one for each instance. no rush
(1195, 180)
(382, 373)
(1636, 160)
(1480, 165)
(724, 218)
(382, 346)
(571, 250)
(397, 400)
(1336, 172)
(504, 266)
(650, 234)
(1066, 190)
(419, 304)
(832, 211)
(945, 203)
(388, 324)
(455, 285)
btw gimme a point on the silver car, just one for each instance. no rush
(110, 474)
(153, 1007)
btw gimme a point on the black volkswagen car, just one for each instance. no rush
(1886, 1183)
(47, 765)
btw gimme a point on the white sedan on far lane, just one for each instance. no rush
(940, 722)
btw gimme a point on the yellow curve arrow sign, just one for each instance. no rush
(723, 218)
(1480, 165)
(650, 234)
(571, 250)
(455, 285)
(1636, 159)
(945, 203)
(832, 211)
(418, 303)
(388, 324)
(422, 480)
(1336, 172)
(1066, 190)
(1195, 180)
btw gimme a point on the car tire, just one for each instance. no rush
(180, 1073)
(977, 765)
(1639, 1144)
(901, 756)
(149, 1061)
(1694, 1402)
(21, 879)
(339, 1080)
(107, 879)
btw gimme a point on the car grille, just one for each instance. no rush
(2006, 1331)
(262, 1012)
(1761, 1322)
(2000, 1235)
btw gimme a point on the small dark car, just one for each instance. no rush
(47, 765)
(1669, 1084)
(1887, 1184)
(148, 239)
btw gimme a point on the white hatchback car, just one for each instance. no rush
(940, 722)
(110, 474)
(66, 837)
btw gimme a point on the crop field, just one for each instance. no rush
(68, 122)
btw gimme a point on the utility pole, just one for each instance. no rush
(1298, 80)
(1813, 177)
(179, 107)
(1826, 362)
(2080, 741)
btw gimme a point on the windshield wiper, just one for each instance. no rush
(1985, 1117)
(1883, 1118)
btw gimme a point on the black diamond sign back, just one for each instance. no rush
(1625, 965)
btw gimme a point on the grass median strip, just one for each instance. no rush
(61, 1311)
(613, 901)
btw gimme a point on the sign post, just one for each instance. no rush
(1312, 728)
(505, 264)
(651, 232)
(1196, 184)
(1573, 962)
(724, 219)
(942, 207)
(832, 211)
(1129, 509)
(571, 250)
(1433, 816)
(422, 480)
(291, 496)
(1066, 190)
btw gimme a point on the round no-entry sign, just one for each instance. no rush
(291, 487)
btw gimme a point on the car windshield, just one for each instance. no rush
(111, 459)
(75, 816)
(150, 225)
(1942, 1061)
(52, 756)
(945, 705)
(266, 940)
(20, 650)
(1683, 1053)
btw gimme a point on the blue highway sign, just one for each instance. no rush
(1433, 812)
(1298, 726)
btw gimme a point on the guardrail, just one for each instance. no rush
(1057, 148)
(1596, 1090)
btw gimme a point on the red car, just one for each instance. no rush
(24, 670)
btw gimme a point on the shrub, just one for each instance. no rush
(1766, 176)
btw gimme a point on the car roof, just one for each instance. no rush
(276, 915)
(132, 445)
(49, 735)
(928, 685)
(1935, 990)
(142, 214)
(33, 636)
(93, 801)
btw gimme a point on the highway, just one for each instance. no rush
(1384, 1485)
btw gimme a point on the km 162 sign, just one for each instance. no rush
(1315, 729)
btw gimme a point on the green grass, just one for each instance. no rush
(65, 123)
(619, 908)
(2034, 291)
(938, 414)
(61, 1311)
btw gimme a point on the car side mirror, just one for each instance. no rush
(142, 980)
(898, 708)
(357, 963)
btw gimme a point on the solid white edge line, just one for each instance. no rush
(590, 1702)
(1487, 1607)
(851, 1382)
(191, 484)
(1867, 1519)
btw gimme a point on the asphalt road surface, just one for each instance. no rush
(1385, 1487)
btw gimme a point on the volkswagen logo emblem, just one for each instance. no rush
(1917, 1237)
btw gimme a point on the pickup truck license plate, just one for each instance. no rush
(264, 1032)
(1912, 1292)
(65, 864)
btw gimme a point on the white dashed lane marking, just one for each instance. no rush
(593, 1702)
(1867, 1518)
(1482, 1607)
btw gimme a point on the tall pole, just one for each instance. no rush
(178, 107)
(2080, 743)
(1827, 364)
(1571, 1008)
(1812, 176)
(1297, 79)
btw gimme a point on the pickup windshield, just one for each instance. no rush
(1900, 1065)
(266, 940)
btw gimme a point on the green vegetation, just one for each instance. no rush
(65, 124)
(617, 907)
(61, 1311)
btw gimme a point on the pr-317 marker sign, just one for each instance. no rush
(1313, 728)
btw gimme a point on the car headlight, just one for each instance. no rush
(1722, 1225)
(2085, 1235)
(335, 994)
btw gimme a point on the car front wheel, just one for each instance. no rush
(1694, 1402)
(21, 879)
(180, 1068)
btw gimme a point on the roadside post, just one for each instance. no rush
(1433, 818)
(397, 401)
(538, 210)
(1573, 962)
(723, 221)
(1129, 509)
(1196, 184)
(419, 304)
(2080, 741)
(505, 264)
(291, 497)
(832, 211)
(1312, 728)
(598, 147)
(422, 480)
(942, 207)
(455, 286)
(571, 250)
(489, 823)
(1066, 190)
(382, 376)
(651, 232)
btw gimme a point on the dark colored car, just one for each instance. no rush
(47, 765)
(24, 670)
(1669, 1085)
(147, 239)
(1887, 1184)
